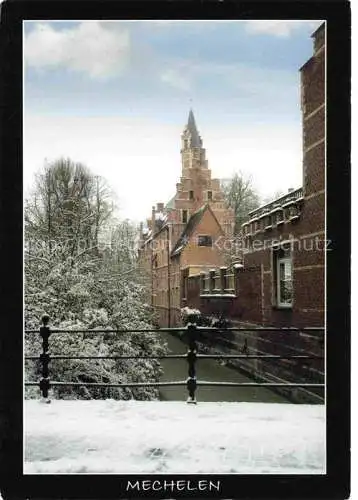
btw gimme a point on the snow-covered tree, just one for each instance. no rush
(80, 288)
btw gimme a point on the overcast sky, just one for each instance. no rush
(116, 96)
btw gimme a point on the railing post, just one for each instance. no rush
(191, 358)
(45, 357)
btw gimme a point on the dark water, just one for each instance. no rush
(209, 370)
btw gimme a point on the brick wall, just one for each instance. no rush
(314, 174)
(255, 286)
(308, 232)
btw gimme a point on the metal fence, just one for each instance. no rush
(191, 357)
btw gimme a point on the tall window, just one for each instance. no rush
(210, 195)
(191, 195)
(268, 221)
(230, 281)
(284, 288)
(202, 282)
(184, 215)
(279, 217)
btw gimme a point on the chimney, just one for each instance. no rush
(149, 223)
(160, 207)
(290, 190)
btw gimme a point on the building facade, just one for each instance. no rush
(282, 280)
(180, 236)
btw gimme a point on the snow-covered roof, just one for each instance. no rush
(171, 203)
(161, 216)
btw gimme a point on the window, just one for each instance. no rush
(202, 282)
(206, 283)
(191, 195)
(217, 281)
(279, 217)
(205, 241)
(210, 195)
(293, 212)
(211, 281)
(268, 221)
(229, 282)
(284, 289)
(184, 216)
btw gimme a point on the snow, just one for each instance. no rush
(125, 437)
(212, 295)
(161, 216)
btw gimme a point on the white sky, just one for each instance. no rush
(145, 168)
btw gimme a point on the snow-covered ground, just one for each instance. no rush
(173, 437)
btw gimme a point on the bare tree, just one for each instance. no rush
(69, 204)
(277, 194)
(241, 196)
(85, 286)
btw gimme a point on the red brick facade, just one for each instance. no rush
(298, 219)
(171, 245)
(282, 280)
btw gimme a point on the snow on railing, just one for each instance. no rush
(285, 200)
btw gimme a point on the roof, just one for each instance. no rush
(170, 205)
(192, 223)
(320, 27)
(191, 126)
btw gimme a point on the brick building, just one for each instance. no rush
(179, 237)
(282, 280)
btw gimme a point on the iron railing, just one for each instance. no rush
(191, 356)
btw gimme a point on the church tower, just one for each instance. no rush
(193, 153)
(182, 233)
(196, 188)
(195, 177)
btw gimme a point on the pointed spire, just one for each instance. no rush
(191, 126)
(191, 120)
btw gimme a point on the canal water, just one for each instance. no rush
(208, 370)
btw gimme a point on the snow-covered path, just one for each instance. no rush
(173, 437)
